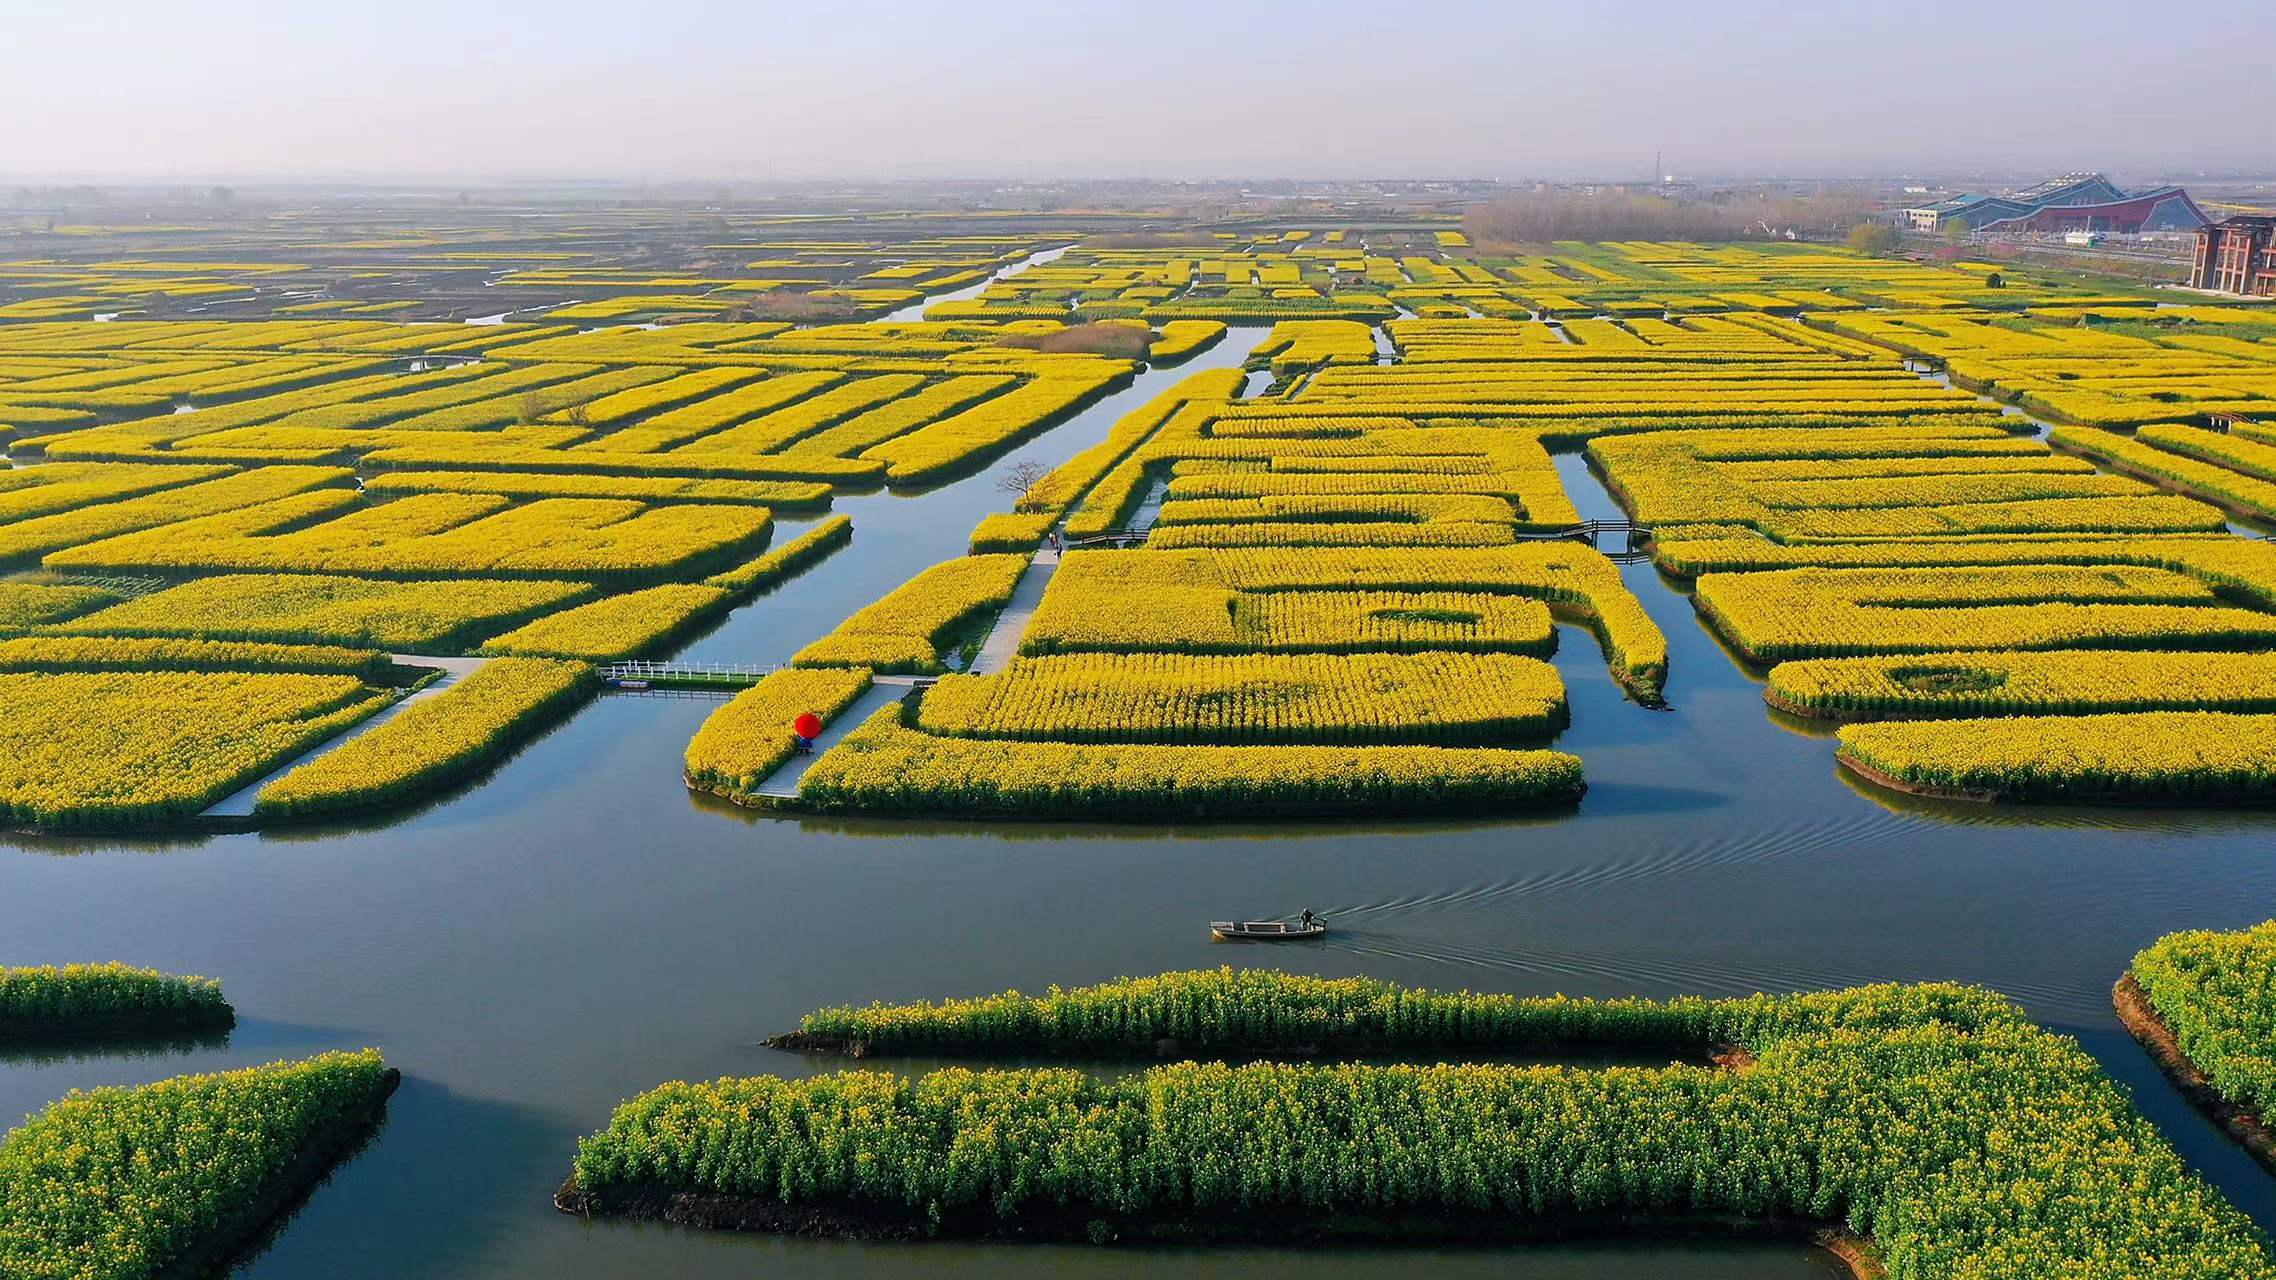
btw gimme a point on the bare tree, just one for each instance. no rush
(1098, 338)
(797, 306)
(1546, 216)
(1029, 482)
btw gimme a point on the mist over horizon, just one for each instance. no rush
(700, 91)
(1559, 641)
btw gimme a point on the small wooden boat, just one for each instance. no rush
(1264, 930)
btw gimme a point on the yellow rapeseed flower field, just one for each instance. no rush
(2200, 756)
(84, 749)
(460, 729)
(886, 766)
(1435, 697)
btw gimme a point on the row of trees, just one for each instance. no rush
(1541, 217)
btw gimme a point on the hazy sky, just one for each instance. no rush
(232, 89)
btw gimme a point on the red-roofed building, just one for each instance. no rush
(2073, 202)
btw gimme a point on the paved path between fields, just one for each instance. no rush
(1002, 644)
(239, 804)
(782, 784)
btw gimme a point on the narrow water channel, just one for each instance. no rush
(896, 535)
(916, 310)
(579, 928)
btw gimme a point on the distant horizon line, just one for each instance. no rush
(438, 181)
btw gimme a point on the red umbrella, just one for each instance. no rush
(807, 725)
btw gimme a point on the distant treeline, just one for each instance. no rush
(1540, 217)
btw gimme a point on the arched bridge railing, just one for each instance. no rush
(685, 675)
(1592, 531)
(1589, 531)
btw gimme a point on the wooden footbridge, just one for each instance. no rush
(717, 675)
(1593, 532)
(686, 675)
(1632, 537)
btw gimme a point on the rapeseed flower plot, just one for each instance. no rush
(119, 653)
(903, 631)
(664, 488)
(596, 494)
(743, 742)
(2200, 756)
(1926, 1118)
(123, 1184)
(436, 534)
(2216, 992)
(620, 626)
(106, 999)
(1809, 613)
(2056, 682)
(86, 749)
(787, 560)
(952, 442)
(2116, 374)
(27, 539)
(465, 726)
(886, 766)
(2201, 465)
(1182, 339)
(1431, 697)
(796, 422)
(306, 608)
(31, 604)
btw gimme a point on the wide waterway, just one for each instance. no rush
(577, 928)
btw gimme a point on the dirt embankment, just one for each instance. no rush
(1058, 1225)
(1170, 1049)
(1894, 783)
(1043, 1224)
(2242, 1122)
(2130, 799)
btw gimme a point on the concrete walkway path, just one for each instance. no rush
(782, 784)
(996, 651)
(1002, 644)
(239, 803)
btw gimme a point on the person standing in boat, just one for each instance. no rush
(1309, 918)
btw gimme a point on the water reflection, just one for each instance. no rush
(579, 928)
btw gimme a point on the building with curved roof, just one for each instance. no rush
(2072, 202)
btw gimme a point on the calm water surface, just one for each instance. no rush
(578, 928)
